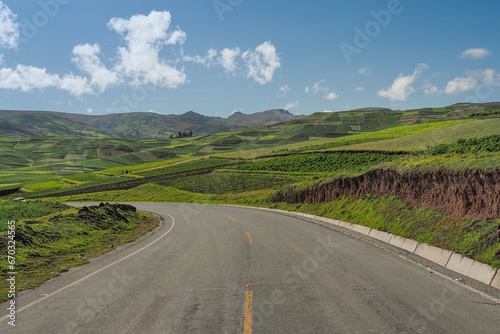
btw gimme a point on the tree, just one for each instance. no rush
(190, 133)
(172, 136)
(179, 135)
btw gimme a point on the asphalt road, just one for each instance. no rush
(217, 269)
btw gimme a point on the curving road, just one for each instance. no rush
(221, 269)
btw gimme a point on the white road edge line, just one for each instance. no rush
(91, 274)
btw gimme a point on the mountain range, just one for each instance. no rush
(131, 125)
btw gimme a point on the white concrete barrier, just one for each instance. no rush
(496, 280)
(473, 269)
(406, 244)
(345, 225)
(434, 254)
(380, 235)
(361, 229)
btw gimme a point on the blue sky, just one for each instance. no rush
(219, 56)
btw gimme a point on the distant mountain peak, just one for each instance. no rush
(192, 114)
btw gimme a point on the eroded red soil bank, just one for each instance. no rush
(469, 193)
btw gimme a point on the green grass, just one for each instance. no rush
(190, 165)
(319, 163)
(356, 142)
(17, 211)
(44, 186)
(226, 182)
(47, 246)
(449, 133)
(471, 145)
(474, 238)
(144, 166)
(482, 161)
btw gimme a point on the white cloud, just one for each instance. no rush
(364, 70)
(317, 88)
(283, 91)
(27, 78)
(207, 60)
(327, 111)
(145, 36)
(86, 59)
(487, 77)
(89, 110)
(430, 89)
(291, 105)
(76, 85)
(359, 89)
(228, 58)
(475, 53)
(9, 28)
(402, 87)
(460, 85)
(330, 96)
(262, 62)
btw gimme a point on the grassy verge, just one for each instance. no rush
(50, 245)
(474, 238)
(10, 210)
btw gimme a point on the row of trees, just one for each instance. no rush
(182, 135)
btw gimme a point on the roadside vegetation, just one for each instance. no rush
(51, 238)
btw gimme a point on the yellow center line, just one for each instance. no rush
(247, 329)
(232, 219)
(249, 238)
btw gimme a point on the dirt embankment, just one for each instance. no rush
(469, 193)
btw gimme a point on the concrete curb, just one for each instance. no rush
(434, 254)
(467, 267)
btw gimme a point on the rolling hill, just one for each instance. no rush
(130, 125)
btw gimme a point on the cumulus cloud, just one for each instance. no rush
(487, 77)
(86, 57)
(283, 91)
(228, 57)
(207, 60)
(145, 36)
(475, 53)
(9, 28)
(430, 89)
(460, 85)
(261, 62)
(291, 105)
(27, 78)
(330, 96)
(402, 87)
(317, 88)
(138, 60)
(359, 89)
